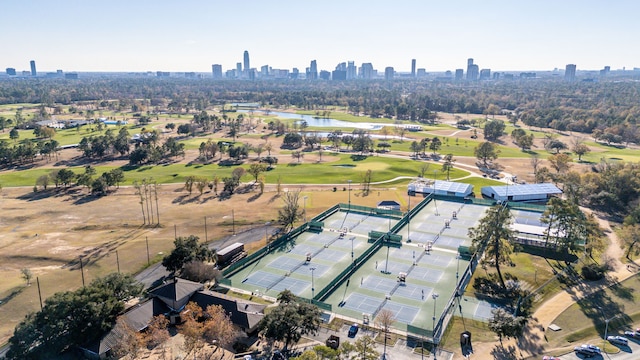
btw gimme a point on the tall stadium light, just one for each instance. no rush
(313, 289)
(435, 297)
(349, 182)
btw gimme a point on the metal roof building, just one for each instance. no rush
(527, 192)
(448, 188)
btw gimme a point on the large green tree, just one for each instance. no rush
(493, 233)
(486, 152)
(72, 318)
(186, 250)
(289, 321)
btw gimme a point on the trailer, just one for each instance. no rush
(230, 254)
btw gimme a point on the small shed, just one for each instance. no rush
(527, 192)
(440, 187)
(388, 205)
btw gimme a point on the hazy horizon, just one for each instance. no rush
(190, 36)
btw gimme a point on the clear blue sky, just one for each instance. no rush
(190, 35)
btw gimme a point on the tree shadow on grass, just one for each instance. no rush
(35, 196)
(254, 197)
(499, 352)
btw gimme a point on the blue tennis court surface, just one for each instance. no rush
(436, 260)
(285, 263)
(426, 274)
(262, 278)
(421, 237)
(296, 286)
(304, 249)
(306, 269)
(413, 292)
(393, 267)
(450, 242)
(403, 313)
(362, 303)
(379, 284)
(330, 255)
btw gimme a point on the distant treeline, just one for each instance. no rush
(608, 106)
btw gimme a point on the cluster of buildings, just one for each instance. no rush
(33, 72)
(343, 71)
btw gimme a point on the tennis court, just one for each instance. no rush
(362, 304)
(377, 283)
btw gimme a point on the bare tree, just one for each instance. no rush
(27, 275)
(290, 212)
(384, 320)
(128, 342)
(535, 164)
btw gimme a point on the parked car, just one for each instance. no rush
(621, 340)
(546, 357)
(353, 330)
(584, 351)
(592, 348)
(630, 333)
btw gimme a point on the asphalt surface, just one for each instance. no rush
(631, 352)
(154, 274)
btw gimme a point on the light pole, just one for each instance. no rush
(313, 293)
(434, 296)
(434, 191)
(304, 208)
(457, 266)
(409, 220)
(349, 182)
(352, 238)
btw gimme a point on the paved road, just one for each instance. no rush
(631, 352)
(153, 275)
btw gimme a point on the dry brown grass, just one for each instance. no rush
(49, 234)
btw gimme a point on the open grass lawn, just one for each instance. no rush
(584, 321)
(533, 270)
(71, 136)
(335, 172)
(479, 332)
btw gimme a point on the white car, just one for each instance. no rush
(621, 340)
(630, 333)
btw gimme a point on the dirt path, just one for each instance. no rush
(533, 342)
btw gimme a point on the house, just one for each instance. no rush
(388, 205)
(170, 299)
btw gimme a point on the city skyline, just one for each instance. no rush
(156, 36)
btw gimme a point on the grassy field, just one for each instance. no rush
(584, 321)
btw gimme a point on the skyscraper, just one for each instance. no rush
(351, 70)
(413, 68)
(33, 68)
(313, 70)
(238, 70)
(246, 62)
(389, 73)
(472, 70)
(216, 69)
(570, 72)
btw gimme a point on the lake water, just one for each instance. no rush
(331, 123)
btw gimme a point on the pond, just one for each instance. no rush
(312, 121)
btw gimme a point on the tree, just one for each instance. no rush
(423, 169)
(560, 162)
(297, 155)
(555, 144)
(27, 275)
(567, 225)
(64, 177)
(128, 343)
(486, 152)
(289, 321)
(365, 349)
(447, 165)
(535, 164)
(186, 250)
(290, 212)
(192, 330)
(157, 332)
(504, 324)
(199, 271)
(579, 147)
(435, 145)
(384, 319)
(493, 129)
(493, 233)
(14, 134)
(630, 235)
(218, 327)
(43, 181)
(72, 318)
